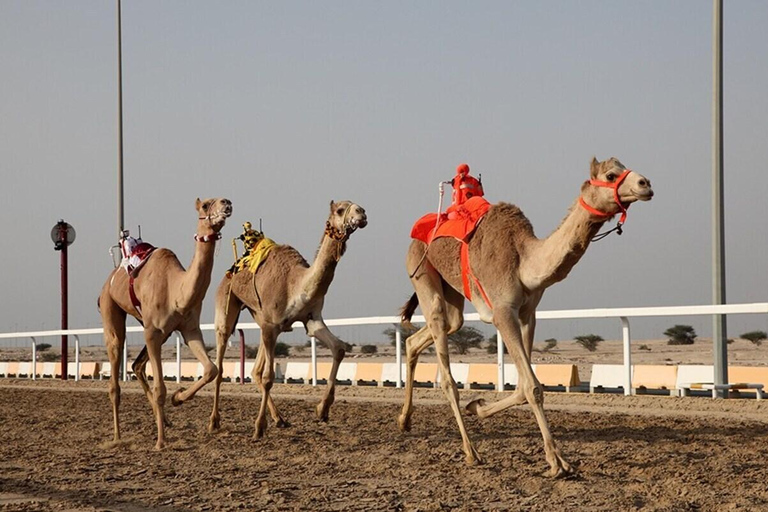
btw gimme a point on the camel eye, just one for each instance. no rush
(339, 211)
(611, 177)
(206, 205)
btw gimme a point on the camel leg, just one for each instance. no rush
(224, 326)
(154, 340)
(317, 328)
(258, 373)
(420, 341)
(193, 337)
(479, 407)
(438, 326)
(113, 319)
(269, 335)
(506, 319)
(414, 345)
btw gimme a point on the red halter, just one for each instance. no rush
(615, 186)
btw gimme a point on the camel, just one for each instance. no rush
(514, 268)
(170, 299)
(286, 289)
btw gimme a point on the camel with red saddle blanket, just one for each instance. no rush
(164, 298)
(284, 290)
(508, 270)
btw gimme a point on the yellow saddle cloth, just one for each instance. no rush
(254, 258)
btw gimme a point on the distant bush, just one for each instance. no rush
(465, 338)
(644, 347)
(549, 344)
(492, 347)
(347, 347)
(680, 335)
(756, 337)
(368, 349)
(299, 348)
(588, 341)
(282, 349)
(42, 347)
(251, 352)
(49, 357)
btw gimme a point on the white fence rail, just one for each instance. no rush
(622, 314)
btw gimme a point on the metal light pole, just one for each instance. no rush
(720, 346)
(120, 220)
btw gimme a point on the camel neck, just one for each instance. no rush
(551, 259)
(323, 268)
(197, 278)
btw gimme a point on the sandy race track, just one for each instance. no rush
(638, 453)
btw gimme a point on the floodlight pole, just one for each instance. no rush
(120, 219)
(719, 330)
(64, 300)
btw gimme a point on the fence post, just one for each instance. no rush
(125, 361)
(313, 342)
(399, 356)
(34, 358)
(500, 361)
(242, 357)
(77, 359)
(627, 356)
(178, 358)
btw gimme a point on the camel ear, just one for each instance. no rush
(331, 207)
(594, 167)
(198, 202)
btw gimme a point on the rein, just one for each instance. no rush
(594, 211)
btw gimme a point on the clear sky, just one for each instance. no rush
(283, 106)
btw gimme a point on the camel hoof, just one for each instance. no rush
(472, 407)
(472, 457)
(214, 425)
(322, 412)
(159, 446)
(403, 423)
(281, 423)
(261, 429)
(175, 398)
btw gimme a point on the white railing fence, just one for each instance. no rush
(623, 314)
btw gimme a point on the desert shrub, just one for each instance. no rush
(588, 341)
(465, 338)
(756, 337)
(299, 349)
(492, 342)
(42, 347)
(282, 349)
(680, 335)
(251, 352)
(49, 357)
(549, 344)
(369, 349)
(347, 347)
(644, 347)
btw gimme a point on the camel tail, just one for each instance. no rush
(98, 303)
(407, 311)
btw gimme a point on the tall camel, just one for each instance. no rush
(285, 289)
(170, 299)
(514, 268)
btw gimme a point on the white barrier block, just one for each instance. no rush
(3, 366)
(510, 374)
(689, 373)
(170, 370)
(296, 371)
(346, 371)
(25, 369)
(607, 376)
(459, 372)
(389, 372)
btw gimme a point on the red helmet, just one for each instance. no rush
(462, 169)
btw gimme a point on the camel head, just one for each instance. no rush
(345, 217)
(600, 191)
(212, 213)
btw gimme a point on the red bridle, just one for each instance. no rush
(615, 186)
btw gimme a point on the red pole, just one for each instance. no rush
(242, 356)
(64, 306)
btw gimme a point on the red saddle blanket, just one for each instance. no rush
(457, 222)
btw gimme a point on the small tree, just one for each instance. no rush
(282, 349)
(756, 337)
(42, 347)
(368, 349)
(588, 341)
(390, 333)
(251, 352)
(549, 344)
(465, 338)
(493, 342)
(680, 335)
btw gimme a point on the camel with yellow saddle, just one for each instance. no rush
(278, 287)
(509, 269)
